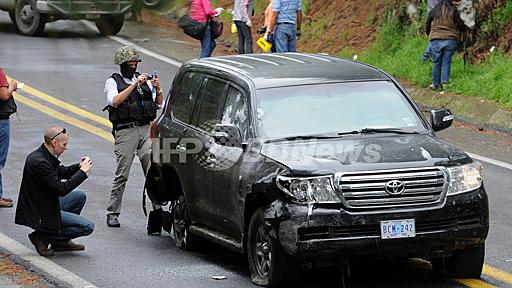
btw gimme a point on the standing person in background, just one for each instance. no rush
(201, 10)
(242, 13)
(137, 11)
(285, 25)
(431, 4)
(6, 90)
(443, 24)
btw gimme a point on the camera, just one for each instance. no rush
(149, 77)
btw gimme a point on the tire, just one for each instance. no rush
(462, 264)
(153, 4)
(268, 263)
(181, 225)
(28, 20)
(110, 25)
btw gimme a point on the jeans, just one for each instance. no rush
(73, 225)
(207, 43)
(442, 53)
(5, 131)
(244, 38)
(285, 37)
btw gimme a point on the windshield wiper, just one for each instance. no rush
(302, 137)
(378, 130)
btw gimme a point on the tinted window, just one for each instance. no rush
(333, 108)
(212, 99)
(236, 111)
(185, 98)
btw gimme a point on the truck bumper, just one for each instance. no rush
(333, 233)
(85, 9)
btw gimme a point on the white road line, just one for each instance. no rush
(42, 263)
(490, 161)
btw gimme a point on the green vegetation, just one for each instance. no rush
(398, 49)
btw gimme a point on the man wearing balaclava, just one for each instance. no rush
(132, 103)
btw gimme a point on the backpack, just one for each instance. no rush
(192, 27)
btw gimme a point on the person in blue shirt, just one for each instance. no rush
(285, 24)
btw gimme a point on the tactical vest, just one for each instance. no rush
(138, 107)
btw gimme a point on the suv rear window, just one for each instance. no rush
(183, 104)
(212, 99)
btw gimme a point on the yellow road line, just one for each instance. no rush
(56, 114)
(474, 283)
(496, 273)
(72, 108)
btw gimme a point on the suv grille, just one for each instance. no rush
(377, 190)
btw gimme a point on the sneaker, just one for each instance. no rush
(112, 221)
(40, 245)
(5, 204)
(67, 246)
(432, 87)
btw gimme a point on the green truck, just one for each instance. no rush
(30, 16)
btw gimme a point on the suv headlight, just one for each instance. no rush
(308, 189)
(465, 178)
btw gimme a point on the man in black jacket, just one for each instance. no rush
(47, 202)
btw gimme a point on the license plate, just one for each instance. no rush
(397, 229)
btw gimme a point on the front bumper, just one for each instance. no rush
(83, 8)
(330, 233)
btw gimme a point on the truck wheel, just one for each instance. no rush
(28, 20)
(153, 4)
(462, 264)
(110, 25)
(268, 263)
(181, 225)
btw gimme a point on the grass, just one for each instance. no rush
(397, 51)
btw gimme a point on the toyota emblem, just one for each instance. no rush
(395, 187)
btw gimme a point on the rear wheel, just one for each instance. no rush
(181, 225)
(268, 263)
(466, 263)
(153, 3)
(110, 25)
(27, 18)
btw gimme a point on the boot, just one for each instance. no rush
(40, 244)
(155, 222)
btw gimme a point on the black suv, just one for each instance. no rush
(305, 158)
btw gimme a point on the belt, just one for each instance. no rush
(131, 125)
(287, 23)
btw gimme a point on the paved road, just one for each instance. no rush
(71, 63)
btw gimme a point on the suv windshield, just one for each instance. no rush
(334, 109)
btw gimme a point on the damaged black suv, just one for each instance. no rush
(299, 159)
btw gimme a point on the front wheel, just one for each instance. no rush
(268, 263)
(110, 25)
(466, 263)
(27, 18)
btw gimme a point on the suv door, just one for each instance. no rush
(203, 200)
(175, 127)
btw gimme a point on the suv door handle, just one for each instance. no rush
(181, 148)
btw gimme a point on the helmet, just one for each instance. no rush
(126, 54)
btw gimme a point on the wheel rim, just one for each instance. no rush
(180, 225)
(262, 253)
(27, 14)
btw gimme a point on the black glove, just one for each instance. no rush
(298, 33)
(261, 30)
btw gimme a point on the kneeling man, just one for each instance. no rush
(48, 202)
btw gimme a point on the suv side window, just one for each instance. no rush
(185, 98)
(236, 111)
(212, 99)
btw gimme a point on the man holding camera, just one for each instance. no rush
(132, 103)
(48, 202)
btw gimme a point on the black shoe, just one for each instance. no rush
(112, 221)
(40, 245)
(155, 222)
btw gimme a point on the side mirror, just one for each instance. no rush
(227, 135)
(441, 119)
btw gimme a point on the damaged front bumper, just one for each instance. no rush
(331, 233)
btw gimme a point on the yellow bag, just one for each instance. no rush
(233, 28)
(264, 45)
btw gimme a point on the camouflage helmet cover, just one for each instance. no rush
(126, 54)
